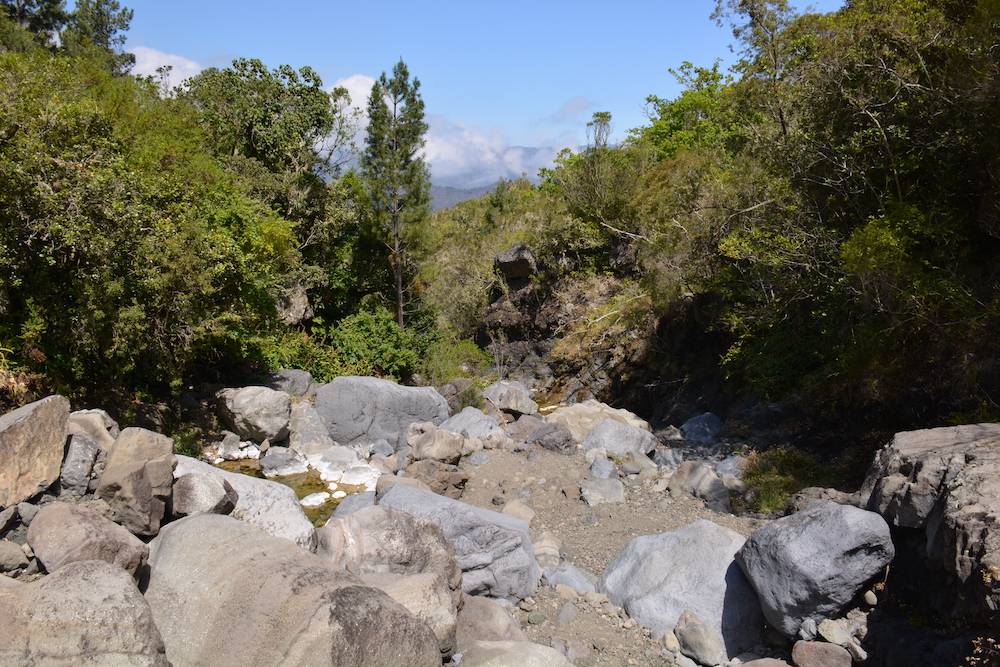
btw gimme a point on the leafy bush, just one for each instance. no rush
(128, 256)
(298, 349)
(446, 359)
(371, 343)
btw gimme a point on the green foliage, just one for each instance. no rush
(700, 117)
(446, 359)
(43, 18)
(101, 25)
(455, 249)
(298, 349)
(775, 475)
(395, 174)
(128, 256)
(372, 343)
(15, 38)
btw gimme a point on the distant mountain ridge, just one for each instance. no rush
(443, 196)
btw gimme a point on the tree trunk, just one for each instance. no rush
(397, 267)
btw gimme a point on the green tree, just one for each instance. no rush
(130, 259)
(101, 24)
(44, 18)
(599, 182)
(288, 137)
(395, 173)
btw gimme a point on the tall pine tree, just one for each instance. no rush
(394, 170)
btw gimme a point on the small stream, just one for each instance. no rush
(302, 484)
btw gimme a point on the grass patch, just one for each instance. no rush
(775, 475)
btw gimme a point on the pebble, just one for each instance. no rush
(858, 654)
(567, 613)
(596, 599)
(565, 592)
(835, 632)
(315, 499)
(670, 641)
(870, 598)
(536, 618)
(571, 491)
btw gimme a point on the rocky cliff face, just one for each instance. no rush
(543, 333)
(940, 490)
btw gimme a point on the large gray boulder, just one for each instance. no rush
(427, 441)
(270, 506)
(408, 558)
(353, 503)
(282, 461)
(509, 653)
(31, 448)
(567, 574)
(811, 564)
(256, 413)
(61, 533)
(493, 550)
(85, 613)
(941, 488)
(580, 418)
(511, 396)
(473, 423)
(138, 478)
(365, 409)
(74, 478)
(483, 619)
(620, 440)
(201, 493)
(95, 423)
(224, 593)
(703, 429)
(292, 381)
(602, 491)
(307, 432)
(657, 577)
(700, 480)
(553, 437)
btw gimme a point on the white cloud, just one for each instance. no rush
(148, 60)
(462, 155)
(572, 111)
(358, 86)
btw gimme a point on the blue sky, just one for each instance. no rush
(497, 76)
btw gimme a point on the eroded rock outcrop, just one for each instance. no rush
(224, 593)
(88, 612)
(366, 409)
(31, 448)
(493, 550)
(940, 490)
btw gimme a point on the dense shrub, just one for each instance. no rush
(371, 343)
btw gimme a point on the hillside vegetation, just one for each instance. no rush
(829, 209)
(825, 213)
